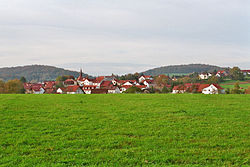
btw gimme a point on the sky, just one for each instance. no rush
(115, 36)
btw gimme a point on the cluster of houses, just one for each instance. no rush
(81, 85)
(199, 88)
(206, 75)
(111, 85)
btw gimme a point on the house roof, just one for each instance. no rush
(36, 87)
(99, 79)
(202, 86)
(72, 88)
(99, 91)
(124, 81)
(179, 87)
(218, 86)
(245, 70)
(63, 89)
(106, 83)
(149, 81)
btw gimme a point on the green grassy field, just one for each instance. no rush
(124, 130)
(230, 84)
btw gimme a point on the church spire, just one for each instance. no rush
(80, 76)
(81, 73)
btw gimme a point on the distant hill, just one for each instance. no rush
(182, 69)
(35, 73)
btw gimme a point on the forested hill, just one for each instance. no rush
(34, 73)
(182, 69)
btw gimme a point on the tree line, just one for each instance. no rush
(14, 86)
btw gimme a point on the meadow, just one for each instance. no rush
(125, 130)
(230, 84)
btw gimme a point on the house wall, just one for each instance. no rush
(210, 90)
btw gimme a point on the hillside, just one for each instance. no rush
(34, 73)
(182, 69)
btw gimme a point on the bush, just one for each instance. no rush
(133, 89)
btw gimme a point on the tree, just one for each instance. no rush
(213, 80)
(236, 74)
(13, 86)
(164, 90)
(133, 89)
(236, 89)
(2, 86)
(23, 79)
(247, 91)
(161, 80)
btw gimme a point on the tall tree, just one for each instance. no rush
(236, 74)
(23, 79)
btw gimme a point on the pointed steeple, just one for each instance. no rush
(81, 73)
(80, 76)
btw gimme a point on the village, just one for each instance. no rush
(205, 83)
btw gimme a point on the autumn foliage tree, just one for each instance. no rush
(161, 80)
(13, 87)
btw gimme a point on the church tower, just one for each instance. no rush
(80, 76)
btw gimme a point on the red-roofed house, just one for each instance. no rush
(145, 77)
(246, 72)
(61, 90)
(88, 88)
(221, 73)
(211, 89)
(179, 89)
(38, 89)
(75, 89)
(149, 83)
(69, 82)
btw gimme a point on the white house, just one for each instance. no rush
(221, 73)
(205, 75)
(213, 89)
(38, 90)
(60, 91)
(145, 77)
(114, 90)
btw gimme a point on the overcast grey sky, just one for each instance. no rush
(114, 36)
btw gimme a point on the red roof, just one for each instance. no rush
(149, 81)
(124, 81)
(126, 86)
(99, 79)
(99, 91)
(245, 70)
(179, 87)
(202, 86)
(147, 76)
(36, 87)
(106, 84)
(217, 86)
(72, 88)
(49, 84)
(140, 86)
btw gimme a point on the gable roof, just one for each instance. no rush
(72, 88)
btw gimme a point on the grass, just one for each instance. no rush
(124, 130)
(230, 84)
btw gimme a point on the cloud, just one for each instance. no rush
(159, 32)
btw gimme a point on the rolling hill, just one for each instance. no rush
(182, 69)
(35, 73)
